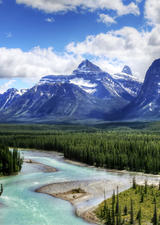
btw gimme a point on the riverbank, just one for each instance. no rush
(81, 193)
(40, 166)
(81, 164)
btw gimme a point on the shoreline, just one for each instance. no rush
(81, 164)
(41, 166)
(85, 201)
(80, 194)
(88, 188)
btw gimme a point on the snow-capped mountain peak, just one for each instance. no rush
(126, 69)
(87, 67)
(88, 92)
(22, 91)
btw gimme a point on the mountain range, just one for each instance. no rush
(89, 93)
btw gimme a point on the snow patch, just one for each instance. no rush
(83, 83)
(89, 90)
(22, 92)
(150, 107)
(125, 76)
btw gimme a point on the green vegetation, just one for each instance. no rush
(77, 191)
(10, 161)
(127, 208)
(129, 146)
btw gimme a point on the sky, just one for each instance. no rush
(43, 37)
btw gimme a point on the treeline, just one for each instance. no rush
(112, 150)
(10, 161)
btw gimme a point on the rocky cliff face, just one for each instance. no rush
(147, 104)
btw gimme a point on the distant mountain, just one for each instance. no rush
(9, 96)
(128, 82)
(96, 82)
(88, 93)
(146, 105)
(127, 70)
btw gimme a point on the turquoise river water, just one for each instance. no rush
(20, 205)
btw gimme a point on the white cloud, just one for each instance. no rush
(6, 86)
(52, 6)
(124, 46)
(106, 19)
(35, 63)
(50, 20)
(108, 50)
(152, 11)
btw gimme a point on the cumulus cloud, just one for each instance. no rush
(124, 46)
(106, 19)
(35, 63)
(152, 11)
(6, 86)
(109, 50)
(52, 6)
(50, 20)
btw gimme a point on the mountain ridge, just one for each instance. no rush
(88, 92)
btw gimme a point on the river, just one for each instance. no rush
(22, 206)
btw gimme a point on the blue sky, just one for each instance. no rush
(43, 37)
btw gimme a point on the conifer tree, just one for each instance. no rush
(142, 197)
(113, 208)
(120, 218)
(113, 197)
(131, 213)
(145, 187)
(139, 216)
(154, 219)
(108, 217)
(117, 203)
(134, 185)
(105, 205)
(125, 210)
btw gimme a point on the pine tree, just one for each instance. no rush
(154, 200)
(113, 197)
(113, 208)
(131, 213)
(108, 218)
(125, 210)
(134, 185)
(120, 218)
(139, 216)
(117, 203)
(142, 198)
(145, 187)
(154, 219)
(105, 204)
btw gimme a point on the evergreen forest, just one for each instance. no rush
(10, 161)
(132, 147)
